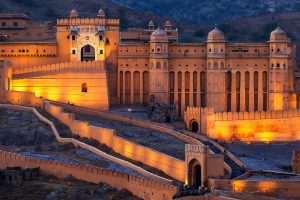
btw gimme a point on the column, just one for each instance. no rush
(191, 88)
(118, 88)
(233, 91)
(260, 91)
(132, 87)
(198, 88)
(141, 87)
(242, 93)
(176, 91)
(183, 94)
(251, 91)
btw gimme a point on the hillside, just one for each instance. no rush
(210, 11)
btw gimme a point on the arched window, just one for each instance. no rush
(215, 65)
(84, 87)
(158, 66)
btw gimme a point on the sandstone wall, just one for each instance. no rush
(169, 165)
(63, 82)
(283, 188)
(250, 126)
(143, 188)
(85, 146)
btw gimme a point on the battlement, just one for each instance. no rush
(57, 67)
(88, 21)
(231, 116)
(138, 185)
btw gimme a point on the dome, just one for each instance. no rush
(150, 23)
(168, 23)
(101, 13)
(278, 35)
(215, 35)
(159, 35)
(74, 14)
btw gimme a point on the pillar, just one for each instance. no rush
(198, 88)
(191, 88)
(124, 75)
(176, 91)
(242, 93)
(141, 87)
(132, 87)
(233, 91)
(251, 91)
(260, 91)
(183, 94)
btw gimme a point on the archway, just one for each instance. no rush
(195, 127)
(194, 173)
(88, 53)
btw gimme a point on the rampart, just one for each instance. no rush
(143, 188)
(282, 188)
(250, 126)
(169, 165)
(83, 145)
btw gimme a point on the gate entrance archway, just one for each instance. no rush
(195, 127)
(194, 173)
(88, 53)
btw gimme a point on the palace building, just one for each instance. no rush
(90, 62)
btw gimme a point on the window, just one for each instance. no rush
(101, 37)
(278, 50)
(101, 51)
(84, 87)
(278, 65)
(209, 50)
(158, 49)
(3, 23)
(15, 23)
(284, 66)
(68, 37)
(73, 37)
(73, 51)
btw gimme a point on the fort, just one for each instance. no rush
(223, 91)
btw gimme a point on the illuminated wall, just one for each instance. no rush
(68, 87)
(250, 126)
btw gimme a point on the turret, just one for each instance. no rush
(280, 71)
(159, 65)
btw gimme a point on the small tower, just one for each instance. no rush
(101, 14)
(159, 66)
(215, 70)
(168, 25)
(151, 25)
(280, 70)
(74, 14)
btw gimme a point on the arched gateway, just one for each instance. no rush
(88, 53)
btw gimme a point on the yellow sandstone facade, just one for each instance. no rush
(89, 62)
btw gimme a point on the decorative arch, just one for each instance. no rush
(194, 126)
(87, 53)
(194, 173)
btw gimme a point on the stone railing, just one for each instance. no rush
(141, 187)
(85, 146)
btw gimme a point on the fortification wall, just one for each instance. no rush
(63, 82)
(83, 145)
(22, 98)
(169, 165)
(283, 188)
(250, 126)
(143, 188)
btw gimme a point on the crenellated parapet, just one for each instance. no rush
(137, 185)
(88, 21)
(57, 67)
